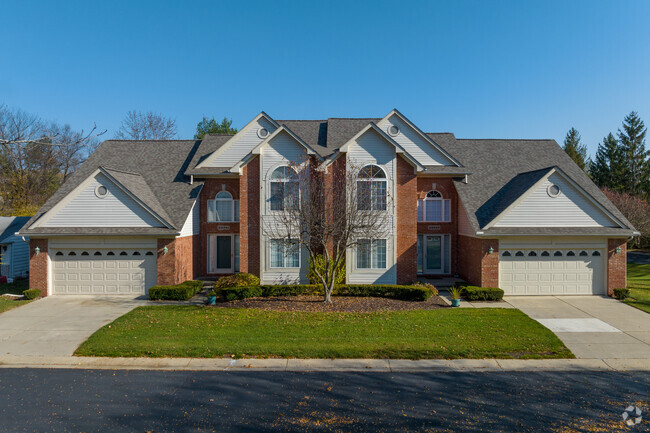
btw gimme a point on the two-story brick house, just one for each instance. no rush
(515, 214)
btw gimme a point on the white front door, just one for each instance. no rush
(221, 255)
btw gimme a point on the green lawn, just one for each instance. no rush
(8, 304)
(638, 281)
(194, 331)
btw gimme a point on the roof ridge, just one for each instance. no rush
(505, 139)
(150, 140)
(302, 120)
(120, 170)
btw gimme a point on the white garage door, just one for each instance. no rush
(552, 272)
(119, 272)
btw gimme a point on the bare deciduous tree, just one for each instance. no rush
(329, 212)
(146, 126)
(636, 210)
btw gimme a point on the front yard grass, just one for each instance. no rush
(638, 281)
(194, 331)
(8, 303)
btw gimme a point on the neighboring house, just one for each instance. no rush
(515, 214)
(14, 251)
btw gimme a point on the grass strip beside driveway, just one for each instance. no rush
(203, 332)
(638, 281)
(8, 303)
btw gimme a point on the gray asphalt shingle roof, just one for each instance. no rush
(9, 226)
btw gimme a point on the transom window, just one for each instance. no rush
(371, 254)
(434, 208)
(223, 208)
(371, 188)
(284, 191)
(284, 253)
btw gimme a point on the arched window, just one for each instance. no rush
(506, 254)
(557, 254)
(59, 253)
(595, 253)
(124, 253)
(97, 253)
(519, 254)
(532, 254)
(223, 208)
(72, 253)
(434, 208)
(583, 253)
(284, 190)
(570, 254)
(85, 253)
(149, 253)
(110, 253)
(371, 188)
(545, 254)
(136, 253)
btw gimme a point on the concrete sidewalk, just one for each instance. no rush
(339, 365)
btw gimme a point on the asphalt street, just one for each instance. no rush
(60, 400)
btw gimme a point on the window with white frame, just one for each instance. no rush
(434, 208)
(223, 208)
(371, 188)
(284, 253)
(284, 189)
(371, 254)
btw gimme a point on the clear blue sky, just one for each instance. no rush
(481, 69)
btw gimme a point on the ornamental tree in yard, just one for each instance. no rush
(328, 211)
(636, 210)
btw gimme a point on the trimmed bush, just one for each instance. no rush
(473, 293)
(426, 285)
(407, 293)
(31, 293)
(235, 293)
(237, 280)
(179, 292)
(319, 264)
(622, 293)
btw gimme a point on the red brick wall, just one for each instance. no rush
(407, 223)
(210, 188)
(475, 263)
(38, 266)
(616, 265)
(249, 238)
(446, 187)
(166, 262)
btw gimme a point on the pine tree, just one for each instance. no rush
(637, 167)
(608, 167)
(577, 151)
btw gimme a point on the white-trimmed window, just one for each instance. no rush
(284, 191)
(223, 208)
(434, 208)
(371, 188)
(284, 253)
(371, 254)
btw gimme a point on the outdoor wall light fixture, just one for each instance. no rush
(490, 250)
(165, 250)
(37, 250)
(618, 250)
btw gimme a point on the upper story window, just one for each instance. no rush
(371, 188)
(434, 208)
(223, 208)
(284, 190)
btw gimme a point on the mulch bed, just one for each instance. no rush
(339, 304)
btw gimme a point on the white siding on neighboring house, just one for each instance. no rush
(464, 226)
(570, 209)
(191, 226)
(414, 143)
(116, 209)
(238, 147)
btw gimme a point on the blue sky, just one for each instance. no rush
(480, 69)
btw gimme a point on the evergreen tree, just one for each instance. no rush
(608, 167)
(577, 151)
(637, 168)
(211, 126)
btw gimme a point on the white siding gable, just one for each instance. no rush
(191, 226)
(239, 146)
(372, 148)
(570, 209)
(116, 209)
(414, 143)
(281, 149)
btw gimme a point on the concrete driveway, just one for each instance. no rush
(56, 326)
(591, 326)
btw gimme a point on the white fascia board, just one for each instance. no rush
(236, 137)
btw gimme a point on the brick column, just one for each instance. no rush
(475, 263)
(406, 200)
(249, 217)
(616, 265)
(490, 263)
(38, 266)
(167, 262)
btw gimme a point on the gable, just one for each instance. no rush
(82, 208)
(571, 208)
(371, 147)
(240, 144)
(412, 142)
(281, 149)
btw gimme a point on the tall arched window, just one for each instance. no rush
(284, 189)
(371, 188)
(223, 208)
(434, 208)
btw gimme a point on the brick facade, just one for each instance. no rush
(180, 263)
(475, 263)
(38, 266)
(616, 265)
(249, 216)
(407, 223)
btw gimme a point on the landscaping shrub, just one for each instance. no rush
(319, 264)
(179, 292)
(426, 285)
(237, 280)
(235, 293)
(473, 293)
(408, 293)
(622, 293)
(32, 293)
(292, 290)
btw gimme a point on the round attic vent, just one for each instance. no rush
(101, 191)
(262, 133)
(393, 130)
(553, 190)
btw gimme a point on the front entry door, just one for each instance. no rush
(432, 254)
(220, 254)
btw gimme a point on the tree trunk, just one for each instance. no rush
(328, 296)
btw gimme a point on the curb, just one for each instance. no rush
(334, 365)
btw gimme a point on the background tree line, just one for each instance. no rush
(621, 168)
